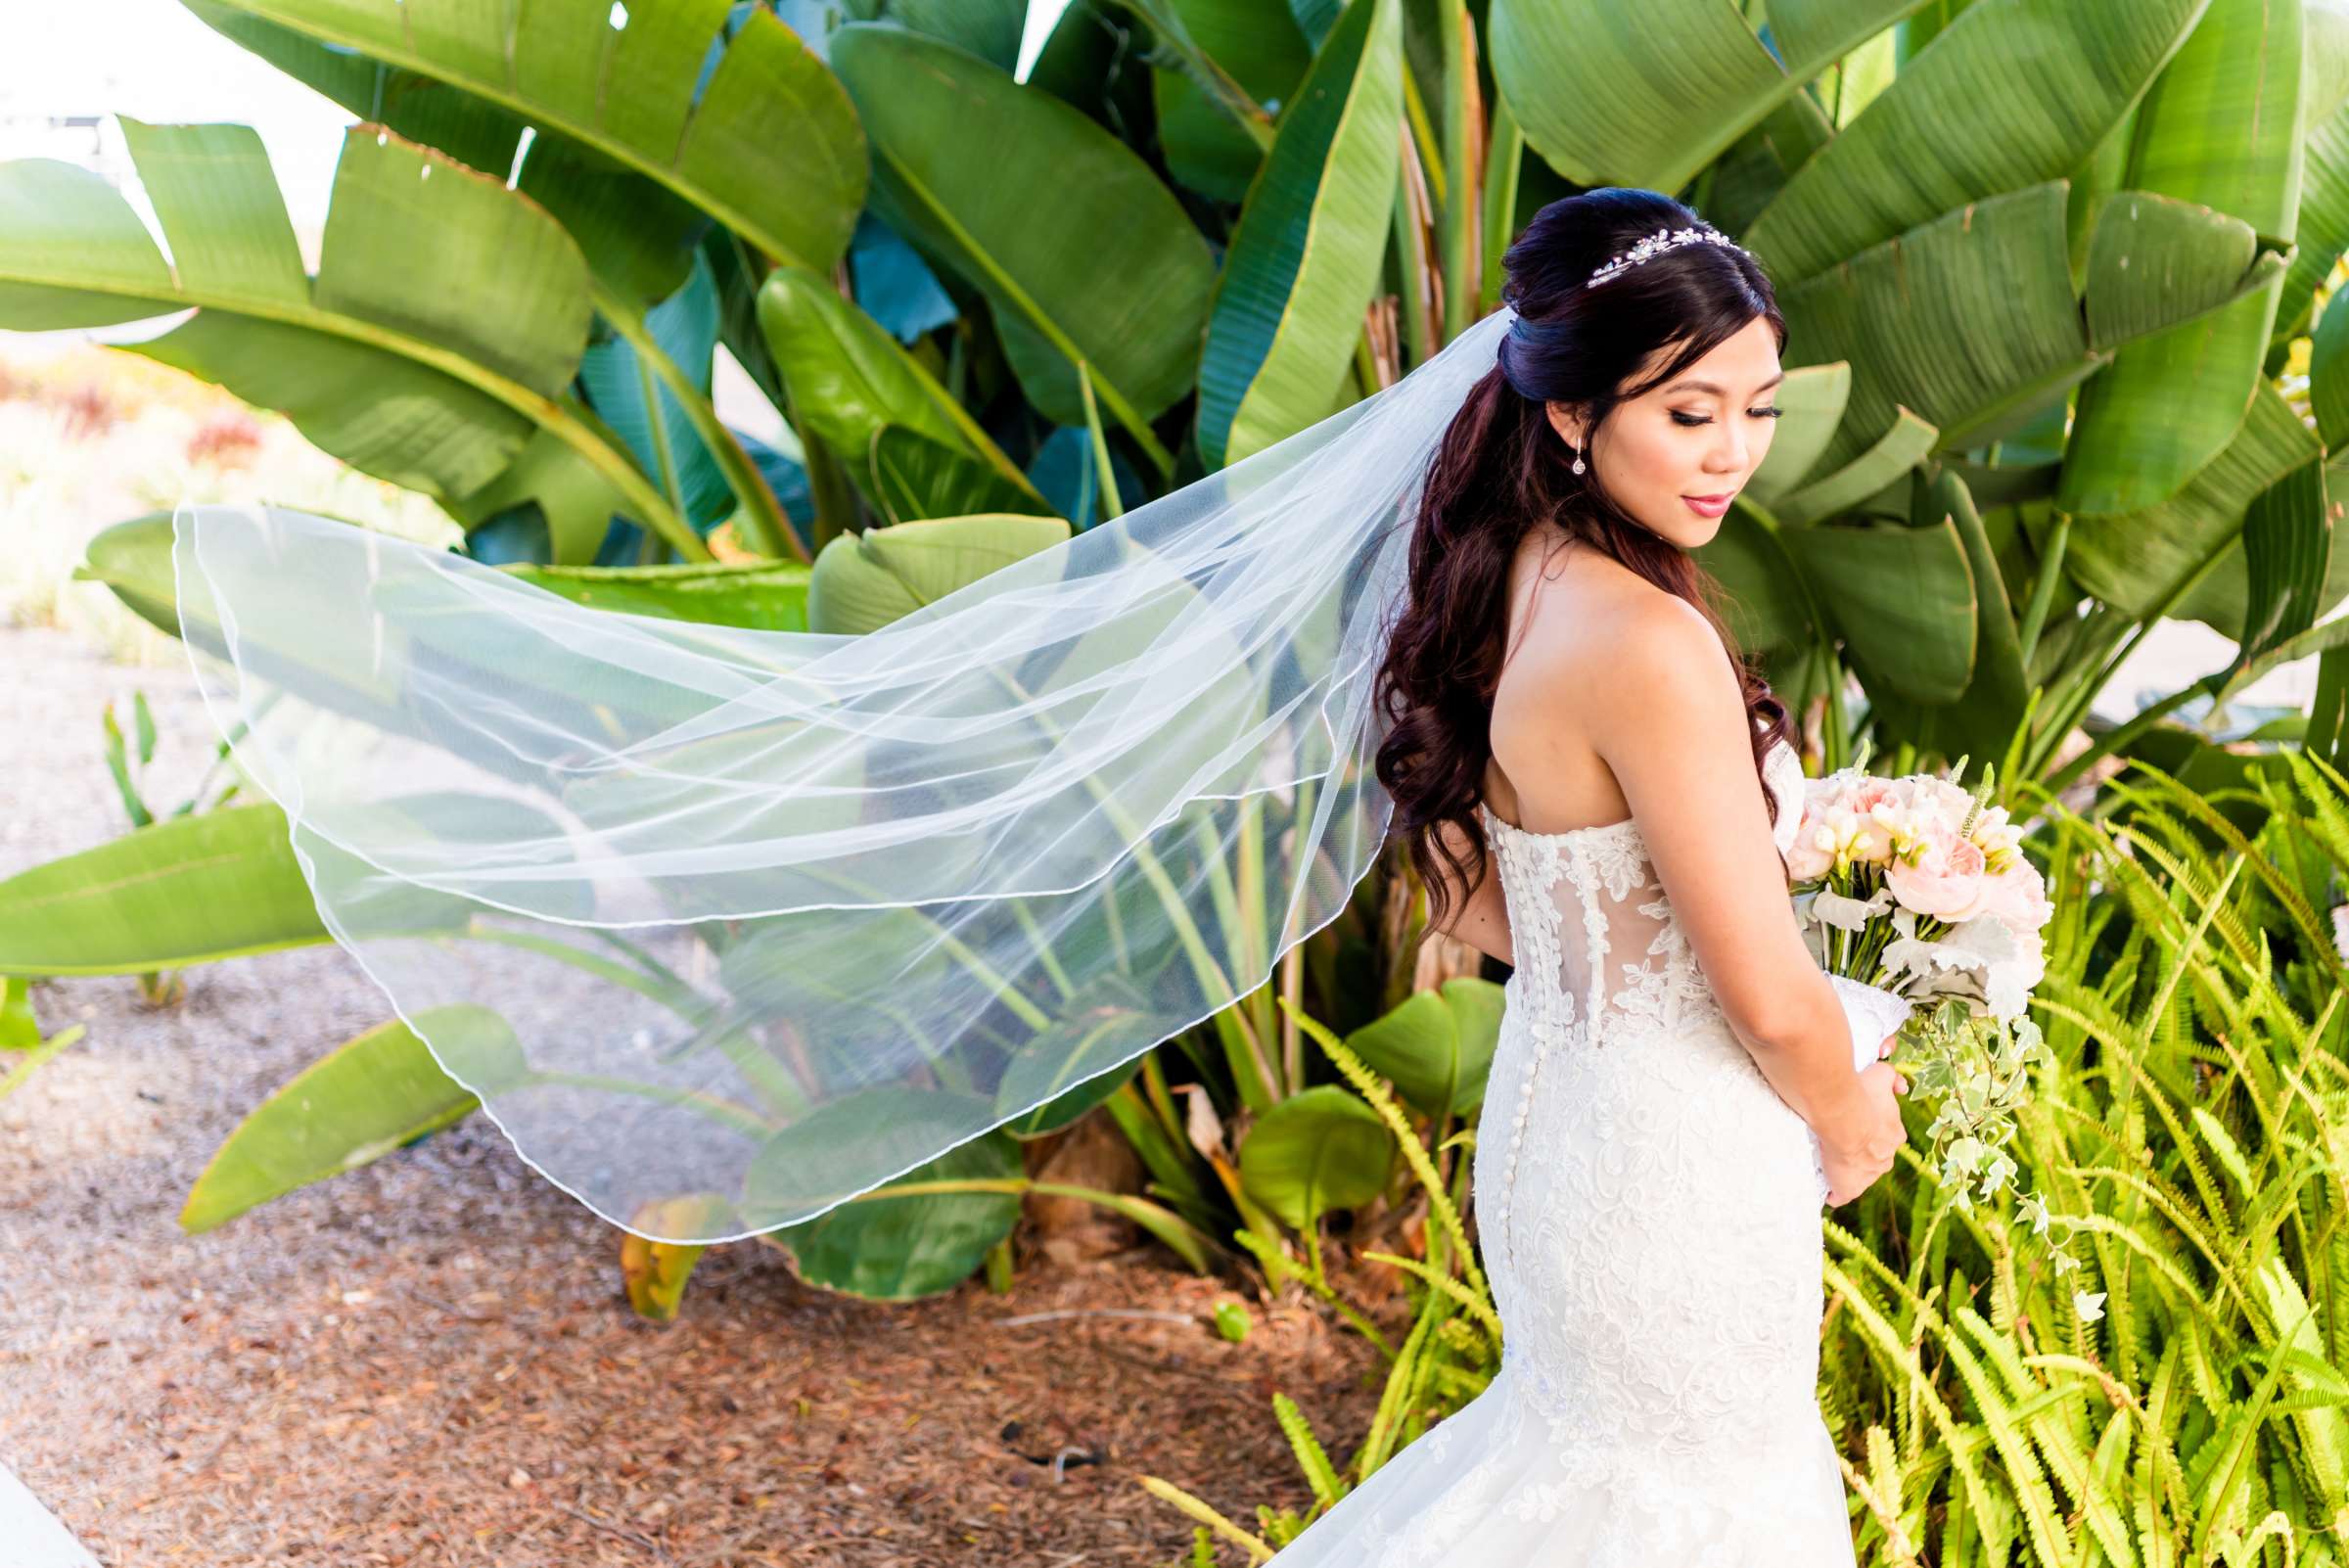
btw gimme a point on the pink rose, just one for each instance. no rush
(1948, 882)
(1872, 793)
(1812, 854)
(2018, 896)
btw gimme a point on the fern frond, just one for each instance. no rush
(1373, 1090)
(1168, 1492)
(1320, 1474)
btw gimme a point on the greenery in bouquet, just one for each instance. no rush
(1917, 889)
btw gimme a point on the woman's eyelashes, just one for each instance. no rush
(1698, 419)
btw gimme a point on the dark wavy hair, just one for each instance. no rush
(1501, 466)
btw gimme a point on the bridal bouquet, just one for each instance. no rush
(1917, 901)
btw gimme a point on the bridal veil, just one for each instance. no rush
(726, 926)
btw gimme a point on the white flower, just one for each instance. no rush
(1832, 908)
(2065, 1262)
(2034, 1208)
(2089, 1303)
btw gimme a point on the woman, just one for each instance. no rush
(727, 926)
(1672, 1093)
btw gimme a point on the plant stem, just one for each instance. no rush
(2043, 589)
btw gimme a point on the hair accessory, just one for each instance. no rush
(1657, 244)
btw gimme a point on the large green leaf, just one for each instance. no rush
(1093, 1045)
(2324, 228)
(1903, 599)
(629, 397)
(888, 1248)
(2222, 124)
(368, 1096)
(1981, 720)
(1970, 321)
(1261, 48)
(768, 595)
(1082, 253)
(133, 559)
(2166, 407)
(1749, 176)
(726, 113)
(865, 580)
(2225, 597)
(2134, 560)
(2328, 374)
(1649, 94)
(575, 501)
(1814, 397)
(988, 29)
(435, 378)
(1306, 254)
(1437, 1046)
(847, 378)
(2287, 547)
(186, 891)
(848, 381)
(1769, 608)
(1897, 451)
(2220, 129)
(1320, 1149)
(911, 477)
(222, 884)
(2156, 261)
(2011, 94)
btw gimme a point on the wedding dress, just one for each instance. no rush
(1648, 1215)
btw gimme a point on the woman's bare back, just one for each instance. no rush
(1566, 605)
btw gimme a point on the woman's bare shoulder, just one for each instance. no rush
(1598, 647)
(1584, 637)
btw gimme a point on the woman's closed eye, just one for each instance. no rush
(1697, 419)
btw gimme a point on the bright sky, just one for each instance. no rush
(154, 61)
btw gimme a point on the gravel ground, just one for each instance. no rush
(429, 1361)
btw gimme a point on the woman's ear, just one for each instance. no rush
(1567, 420)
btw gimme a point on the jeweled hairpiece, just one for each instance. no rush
(1657, 244)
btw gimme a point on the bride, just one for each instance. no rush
(727, 926)
(1673, 1094)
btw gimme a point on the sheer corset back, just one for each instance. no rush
(1586, 908)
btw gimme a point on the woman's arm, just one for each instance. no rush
(1671, 724)
(1480, 919)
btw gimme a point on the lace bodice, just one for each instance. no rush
(1586, 906)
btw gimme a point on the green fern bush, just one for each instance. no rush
(2176, 1398)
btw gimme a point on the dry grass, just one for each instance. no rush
(430, 1361)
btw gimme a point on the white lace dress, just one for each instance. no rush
(1648, 1214)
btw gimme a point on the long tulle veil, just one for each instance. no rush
(726, 926)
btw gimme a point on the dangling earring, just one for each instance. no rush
(1578, 457)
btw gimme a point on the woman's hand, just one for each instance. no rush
(1863, 1151)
